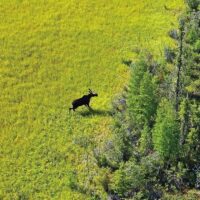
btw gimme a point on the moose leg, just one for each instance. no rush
(86, 105)
(89, 107)
(72, 109)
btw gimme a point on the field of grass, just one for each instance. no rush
(51, 52)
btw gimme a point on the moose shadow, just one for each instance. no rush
(97, 112)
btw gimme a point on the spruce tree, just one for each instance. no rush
(142, 98)
(192, 144)
(166, 131)
(184, 120)
(147, 97)
(145, 140)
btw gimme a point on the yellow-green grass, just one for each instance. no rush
(51, 52)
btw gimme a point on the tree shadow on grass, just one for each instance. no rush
(95, 112)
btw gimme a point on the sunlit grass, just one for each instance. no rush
(51, 52)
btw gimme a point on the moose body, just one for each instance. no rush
(84, 100)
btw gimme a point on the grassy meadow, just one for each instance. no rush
(51, 52)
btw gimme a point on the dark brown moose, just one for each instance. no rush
(84, 100)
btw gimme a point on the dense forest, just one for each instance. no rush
(155, 149)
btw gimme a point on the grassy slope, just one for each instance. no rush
(50, 53)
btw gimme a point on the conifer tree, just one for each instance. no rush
(147, 97)
(184, 120)
(166, 131)
(141, 99)
(192, 144)
(145, 140)
(179, 63)
(137, 73)
(190, 112)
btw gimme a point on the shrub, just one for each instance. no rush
(128, 179)
(193, 4)
(166, 131)
(173, 34)
(169, 54)
(197, 46)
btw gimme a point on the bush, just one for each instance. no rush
(197, 46)
(128, 179)
(173, 34)
(169, 54)
(192, 36)
(193, 4)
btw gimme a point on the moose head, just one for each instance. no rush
(92, 94)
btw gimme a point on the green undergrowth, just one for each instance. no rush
(51, 52)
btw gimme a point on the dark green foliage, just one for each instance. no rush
(191, 74)
(193, 4)
(184, 120)
(179, 65)
(192, 144)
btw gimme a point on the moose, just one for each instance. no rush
(84, 100)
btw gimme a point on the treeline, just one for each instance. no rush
(154, 151)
